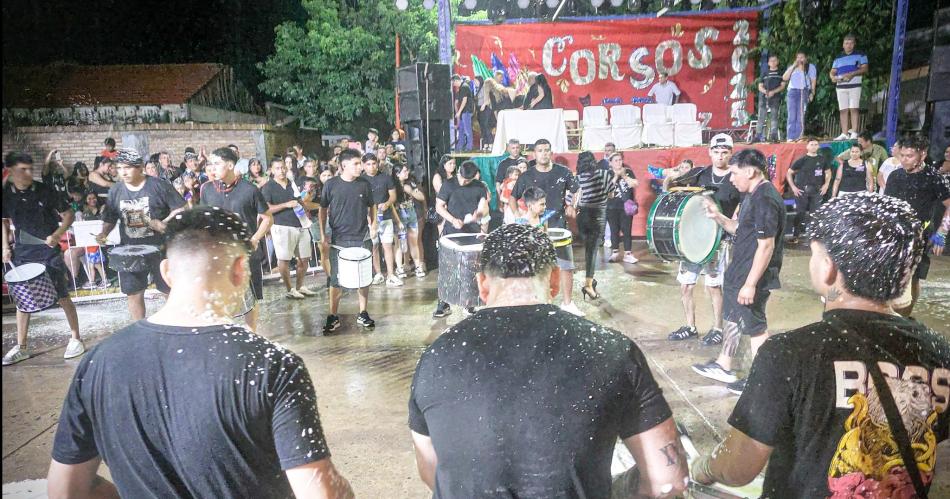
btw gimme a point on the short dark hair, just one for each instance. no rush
(810, 138)
(226, 153)
(541, 142)
(109, 141)
(348, 154)
(104, 160)
(468, 170)
(849, 36)
(515, 250)
(916, 142)
(750, 158)
(875, 241)
(586, 162)
(202, 228)
(14, 158)
(369, 157)
(610, 144)
(533, 195)
(232, 146)
(866, 135)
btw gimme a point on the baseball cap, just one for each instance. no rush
(720, 140)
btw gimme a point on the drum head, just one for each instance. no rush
(355, 254)
(463, 242)
(24, 272)
(134, 250)
(560, 237)
(697, 236)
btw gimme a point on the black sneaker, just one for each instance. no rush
(737, 386)
(363, 319)
(333, 323)
(683, 333)
(442, 310)
(712, 338)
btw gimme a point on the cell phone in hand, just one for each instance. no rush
(58, 156)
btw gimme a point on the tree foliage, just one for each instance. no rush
(337, 70)
(820, 36)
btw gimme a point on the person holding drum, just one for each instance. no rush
(715, 177)
(756, 261)
(350, 214)
(556, 181)
(141, 205)
(38, 278)
(462, 202)
(237, 195)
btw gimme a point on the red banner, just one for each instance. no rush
(610, 62)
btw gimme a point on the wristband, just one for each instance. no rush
(938, 239)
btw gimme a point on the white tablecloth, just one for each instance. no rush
(528, 127)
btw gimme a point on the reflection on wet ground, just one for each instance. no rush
(362, 378)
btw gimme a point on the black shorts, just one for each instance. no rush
(750, 318)
(51, 258)
(255, 262)
(135, 282)
(335, 256)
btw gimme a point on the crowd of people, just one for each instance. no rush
(497, 389)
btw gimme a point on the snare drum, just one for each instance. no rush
(134, 258)
(354, 267)
(678, 228)
(31, 288)
(458, 266)
(562, 240)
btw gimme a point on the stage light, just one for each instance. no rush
(524, 4)
(471, 4)
(616, 3)
(596, 3)
(402, 4)
(552, 4)
(428, 3)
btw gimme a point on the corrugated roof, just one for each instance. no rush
(69, 85)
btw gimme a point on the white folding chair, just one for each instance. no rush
(597, 131)
(657, 127)
(687, 130)
(627, 126)
(572, 123)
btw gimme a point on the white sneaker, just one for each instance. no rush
(394, 282)
(843, 136)
(293, 293)
(304, 290)
(420, 273)
(16, 354)
(401, 272)
(606, 243)
(74, 349)
(629, 258)
(852, 135)
(378, 279)
(571, 308)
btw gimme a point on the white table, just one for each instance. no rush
(528, 127)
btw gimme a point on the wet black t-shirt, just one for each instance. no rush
(244, 198)
(725, 192)
(761, 215)
(853, 178)
(556, 183)
(529, 402)
(810, 171)
(275, 193)
(35, 211)
(154, 201)
(462, 200)
(381, 184)
(462, 93)
(924, 191)
(213, 411)
(806, 396)
(501, 174)
(348, 205)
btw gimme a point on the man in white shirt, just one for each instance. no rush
(664, 91)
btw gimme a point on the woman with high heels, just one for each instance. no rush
(620, 222)
(596, 188)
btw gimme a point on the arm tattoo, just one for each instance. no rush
(670, 451)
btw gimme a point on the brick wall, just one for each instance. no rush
(83, 143)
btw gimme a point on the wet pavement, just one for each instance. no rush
(362, 378)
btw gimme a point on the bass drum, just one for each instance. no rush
(678, 228)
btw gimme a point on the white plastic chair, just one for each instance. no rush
(627, 126)
(687, 130)
(657, 127)
(572, 123)
(597, 132)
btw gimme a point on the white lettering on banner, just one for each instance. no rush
(609, 55)
(587, 55)
(638, 67)
(851, 377)
(677, 57)
(740, 60)
(547, 54)
(704, 58)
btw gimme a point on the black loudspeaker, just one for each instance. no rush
(425, 92)
(938, 89)
(426, 143)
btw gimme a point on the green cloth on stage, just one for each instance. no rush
(487, 166)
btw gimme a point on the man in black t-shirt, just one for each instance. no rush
(233, 193)
(770, 88)
(513, 159)
(41, 216)
(715, 177)
(384, 195)
(925, 190)
(756, 262)
(556, 181)
(143, 205)
(462, 203)
(809, 179)
(500, 406)
(188, 404)
(464, 106)
(291, 231)
(350, 213)
(812, 409)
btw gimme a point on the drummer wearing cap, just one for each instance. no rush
(36, 211)
(756, 262)
(715, 177)
(141, 205)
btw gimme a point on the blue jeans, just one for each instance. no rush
(465, 133)
(797, 106)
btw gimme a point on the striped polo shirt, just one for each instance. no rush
(848, 63)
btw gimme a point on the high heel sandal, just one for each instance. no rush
(594, 285)
(589, 293)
